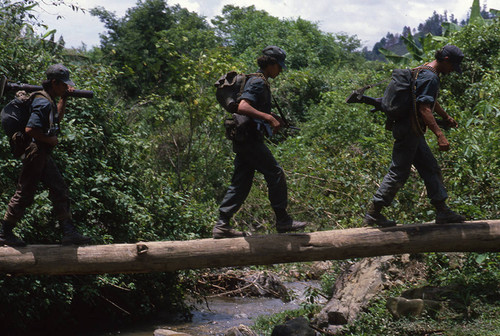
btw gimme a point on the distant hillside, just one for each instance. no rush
(394, 42)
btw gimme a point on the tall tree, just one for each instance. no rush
(147, 42)
(247, 30)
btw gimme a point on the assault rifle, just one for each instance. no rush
(285, 120)
(5, 85)
(263, 126)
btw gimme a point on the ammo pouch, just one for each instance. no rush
(18, 143)
(238, 127)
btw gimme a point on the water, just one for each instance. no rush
(222, 313)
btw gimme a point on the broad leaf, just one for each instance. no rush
(393, 57)
(412, 47)
(449, 28)
(475, 14)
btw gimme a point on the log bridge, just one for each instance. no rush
(168, 256)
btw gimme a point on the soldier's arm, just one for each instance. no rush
(245, 108)
(37, 134)
(442, 113)
(61, 105)
(40, 109)
(428, 118)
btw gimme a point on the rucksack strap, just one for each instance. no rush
(418, 127)
(426, 67)
(53, 107)
(44, 94)
(261, 75)
(255, 74)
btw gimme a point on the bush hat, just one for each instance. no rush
(455, 56)
(60, 72)
(277, 53)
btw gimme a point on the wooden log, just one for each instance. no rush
(142, 257)
(353, 290)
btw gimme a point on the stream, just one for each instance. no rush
(222, 313)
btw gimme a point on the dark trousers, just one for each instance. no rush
(410, 149)
(251, 156)
(38, 166)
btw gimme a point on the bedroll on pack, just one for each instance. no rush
(229, 88)
(398, 99)
(16, 113)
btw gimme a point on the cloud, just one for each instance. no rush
(78, 26)
(370, 20)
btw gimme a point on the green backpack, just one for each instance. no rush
(228, 90)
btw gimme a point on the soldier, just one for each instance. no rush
(410, 147)
(253, 155)
(38, 165)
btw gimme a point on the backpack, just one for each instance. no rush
(228, 90)
(16, 113)
(15, 116)
(399, 95)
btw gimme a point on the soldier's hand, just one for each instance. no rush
(68, 91)
(274, 123)
(280, 120)
(443, 143)
(451, 122)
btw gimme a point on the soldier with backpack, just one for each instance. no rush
(251, 152)
(33, 143)
(410, 147)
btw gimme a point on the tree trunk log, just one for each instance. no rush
(352, 292)
(166, 256)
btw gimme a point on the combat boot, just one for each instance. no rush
(444, 215)
(222, 229)
(285, 223)
(291, 226)
(7, 237)
(373, 217)
(71, 236)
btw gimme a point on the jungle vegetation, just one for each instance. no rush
(146, 159)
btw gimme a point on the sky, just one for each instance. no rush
(369, 20)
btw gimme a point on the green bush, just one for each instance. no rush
(155, 166)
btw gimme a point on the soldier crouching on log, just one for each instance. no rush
(410, 147)
(253, 155)
(38, 166)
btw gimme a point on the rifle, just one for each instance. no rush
(285, 120)
(5, 85)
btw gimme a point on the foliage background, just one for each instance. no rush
(146, 158)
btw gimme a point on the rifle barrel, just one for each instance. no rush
(32, 88)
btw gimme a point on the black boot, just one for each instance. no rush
(222, 229)
(373, 216)
(444, 215)
(70, 234)
(7, 237)
(285, 223)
